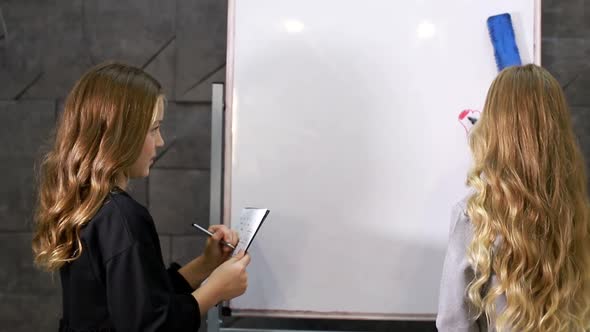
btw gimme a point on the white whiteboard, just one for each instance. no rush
(342, 120)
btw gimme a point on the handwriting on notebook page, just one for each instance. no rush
(247, 226)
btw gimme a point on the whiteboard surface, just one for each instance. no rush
(342, 120)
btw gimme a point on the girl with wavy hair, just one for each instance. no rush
(518, 257)
(101, 240)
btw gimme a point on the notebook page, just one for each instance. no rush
(247, 225)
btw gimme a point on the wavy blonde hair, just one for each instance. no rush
(530, 209)
(100, 134)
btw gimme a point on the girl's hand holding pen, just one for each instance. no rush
(215, 252)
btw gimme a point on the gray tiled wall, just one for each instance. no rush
(182, 42)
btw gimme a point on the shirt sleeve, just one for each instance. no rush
(179, 284)
(455, 313)
(141, 296)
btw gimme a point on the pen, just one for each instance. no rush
(211, 234)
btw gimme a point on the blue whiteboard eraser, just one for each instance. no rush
(503, 41)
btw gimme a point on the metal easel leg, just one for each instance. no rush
(216, 199)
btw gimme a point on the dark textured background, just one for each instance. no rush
(48, 44)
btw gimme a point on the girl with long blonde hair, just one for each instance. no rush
(103, 243)
(518, 257)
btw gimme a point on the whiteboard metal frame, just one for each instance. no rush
(226, 182)
(216, 177)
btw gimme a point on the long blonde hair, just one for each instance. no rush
(530, 209)
(100, 134)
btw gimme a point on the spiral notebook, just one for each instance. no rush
(248, 225)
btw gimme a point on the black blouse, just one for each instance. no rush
(120, 283)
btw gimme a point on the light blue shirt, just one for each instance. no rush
(455, 312)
